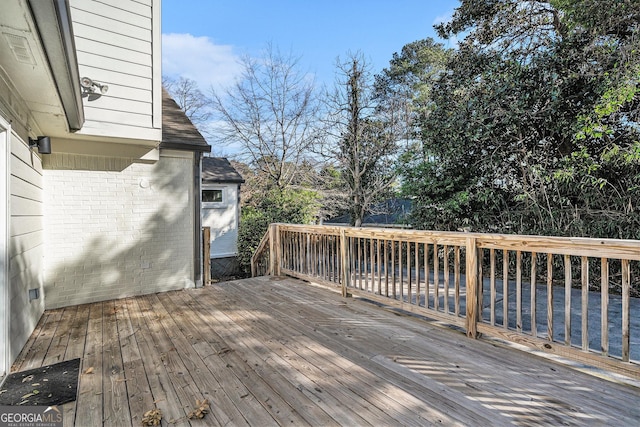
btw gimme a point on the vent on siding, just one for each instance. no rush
(20, 48)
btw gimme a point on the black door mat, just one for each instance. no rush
(46, 386)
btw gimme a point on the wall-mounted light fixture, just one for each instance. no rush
(43, 143)
(90, 86)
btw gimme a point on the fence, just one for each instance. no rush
(567, 296)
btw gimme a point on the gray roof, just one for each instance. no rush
(218, 170)
(178, 133)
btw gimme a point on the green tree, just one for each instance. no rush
(533, 127)
(293, 206)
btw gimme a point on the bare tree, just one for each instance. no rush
(269, 115)
(190, 99)
(360, 137)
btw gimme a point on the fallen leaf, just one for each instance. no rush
(152, 417)
(29, 378)
(201, 410)
(89, 370)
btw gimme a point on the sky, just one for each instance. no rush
(203, 39)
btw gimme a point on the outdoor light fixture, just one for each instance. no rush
(91, 86)
(43, 143)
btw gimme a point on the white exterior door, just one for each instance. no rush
(5, 138)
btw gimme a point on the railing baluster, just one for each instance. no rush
(480, 282)
(352, 259)
(534, 291)
(400, 271)
(567, 299)
(379, 264)
(386, 268)
(436, 278)
(322, 264)
(359, 251)
(372, 252)
(446, 278)
(417, 263)
(626, 290)
(519, 291)
(604, 306)
(365, 264)
(426, 274)
(492, 261)
(409, 283)
(505, 288)
(344, 260)
(393, 269)
(585, 303)
(337, 264)
(309, 256)
(550, 296)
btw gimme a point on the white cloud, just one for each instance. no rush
(440, 19)
(199, 59)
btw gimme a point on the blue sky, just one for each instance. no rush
(202, 39)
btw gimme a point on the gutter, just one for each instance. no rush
(54, 24)
(185, 147)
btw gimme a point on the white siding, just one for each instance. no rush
(112, 234)
(5, 360)
(25, 243)
(115, 44)
(223, 221)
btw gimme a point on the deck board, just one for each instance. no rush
(89, 404)
(276, 351)
(218, 360)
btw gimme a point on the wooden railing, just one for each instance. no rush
(567, 296)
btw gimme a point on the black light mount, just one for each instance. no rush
(43, 143)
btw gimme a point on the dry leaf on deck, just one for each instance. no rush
(89, 370)
(152, 417)
(201, 410)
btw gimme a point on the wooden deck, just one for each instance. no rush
(275, 351)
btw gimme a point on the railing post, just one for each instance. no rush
(471, 274)
(274, 250)
(206, 255)
(344, 262)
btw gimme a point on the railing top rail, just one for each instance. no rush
(577, 246)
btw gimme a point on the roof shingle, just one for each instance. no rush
(178, 132)
(217, 170)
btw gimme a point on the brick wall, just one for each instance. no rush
(116, 233)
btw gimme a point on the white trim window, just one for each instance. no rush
(213, 197)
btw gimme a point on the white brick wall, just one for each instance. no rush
(112, 234)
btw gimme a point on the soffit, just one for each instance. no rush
(24, 65)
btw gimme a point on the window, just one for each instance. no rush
(211, 196)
